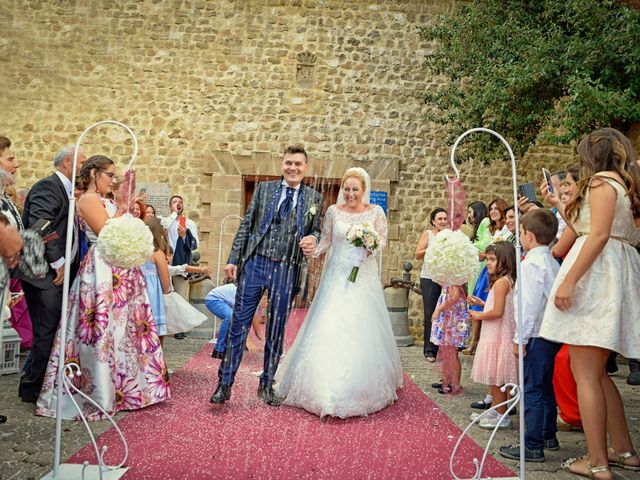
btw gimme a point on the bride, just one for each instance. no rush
(344, 361)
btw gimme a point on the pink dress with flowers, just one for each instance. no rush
(112, 337)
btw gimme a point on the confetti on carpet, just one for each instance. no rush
(188, 438)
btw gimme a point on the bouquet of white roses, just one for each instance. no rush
(125, 242)
(451, 258)
(361, 235)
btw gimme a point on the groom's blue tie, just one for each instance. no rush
(287, 204)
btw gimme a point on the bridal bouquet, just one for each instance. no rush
(361, 235)
(125, 242)
(451, 258)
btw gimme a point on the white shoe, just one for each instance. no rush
(474, 415)
(489, 422)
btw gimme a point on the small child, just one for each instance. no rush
(181, 315)
(449, 330)
(538, 228)
(494, 364)
(156, 275)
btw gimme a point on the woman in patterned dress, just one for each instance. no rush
(110, 331)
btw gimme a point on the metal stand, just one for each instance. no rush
(517, 391)
(71, 370)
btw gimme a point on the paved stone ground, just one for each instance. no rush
(26, 441)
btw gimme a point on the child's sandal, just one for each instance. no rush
(591, 471)
(621, 462)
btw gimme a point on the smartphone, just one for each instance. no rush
(547, 178)
(528, 190)
(182, 221)
(16, 295)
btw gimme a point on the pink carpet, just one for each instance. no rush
(188, 438)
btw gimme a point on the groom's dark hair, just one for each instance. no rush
(291, 149)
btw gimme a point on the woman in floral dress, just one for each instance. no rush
(110, 332)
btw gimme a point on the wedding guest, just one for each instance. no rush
(449, 331)
(220, 301)
(182, 233)
(11, 194)
(181, 316)
(20, 319)
(477, 216)
(21, 194)
(9, 166)
(48, 200)
(137, 208)
(481, 292)
(537, 230)
(494, 364)
(430, 289)
(604, 264)
(569, 191)
(10, 247)
(497, 227)
(110, 332)
(150, 211)
(156, 275)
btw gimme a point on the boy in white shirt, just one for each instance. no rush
(538, 228)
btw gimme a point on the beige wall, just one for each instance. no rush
(216, 89)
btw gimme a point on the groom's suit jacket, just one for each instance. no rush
(263, 209)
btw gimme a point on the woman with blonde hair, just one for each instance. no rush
(344, 361)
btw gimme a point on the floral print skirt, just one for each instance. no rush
(451, 327)
(111, 336)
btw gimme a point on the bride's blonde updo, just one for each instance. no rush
(355, 172)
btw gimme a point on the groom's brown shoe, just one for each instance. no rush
(221, 395)
(268, 396)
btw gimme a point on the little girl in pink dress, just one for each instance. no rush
(495, 364)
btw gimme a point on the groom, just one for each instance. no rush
(281, 224)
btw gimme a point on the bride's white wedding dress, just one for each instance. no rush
(344, 361)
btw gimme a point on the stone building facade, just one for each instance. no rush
(216, 89)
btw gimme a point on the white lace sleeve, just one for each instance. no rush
(327, 232)
(380, 225)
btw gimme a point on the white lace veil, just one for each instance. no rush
(367, 180)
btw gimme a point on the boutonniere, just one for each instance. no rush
(312, 210)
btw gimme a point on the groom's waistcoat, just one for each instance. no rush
(276, 242)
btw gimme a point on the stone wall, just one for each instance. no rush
(216, 89)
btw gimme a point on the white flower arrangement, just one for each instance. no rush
(125, 242)
(451, 258)
(361, 235)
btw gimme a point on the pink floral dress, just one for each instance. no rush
(111, 335)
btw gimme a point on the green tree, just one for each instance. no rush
(551, 70)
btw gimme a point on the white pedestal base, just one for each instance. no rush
(73, 471)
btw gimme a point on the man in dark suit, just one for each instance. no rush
(48, 200)
(281, 228)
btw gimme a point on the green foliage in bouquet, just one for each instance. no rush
(549, 70)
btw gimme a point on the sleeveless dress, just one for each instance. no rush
(451, 327)
(495, 363)
(606, 302)
(112, 336)
(344, 361)
(156, 296)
